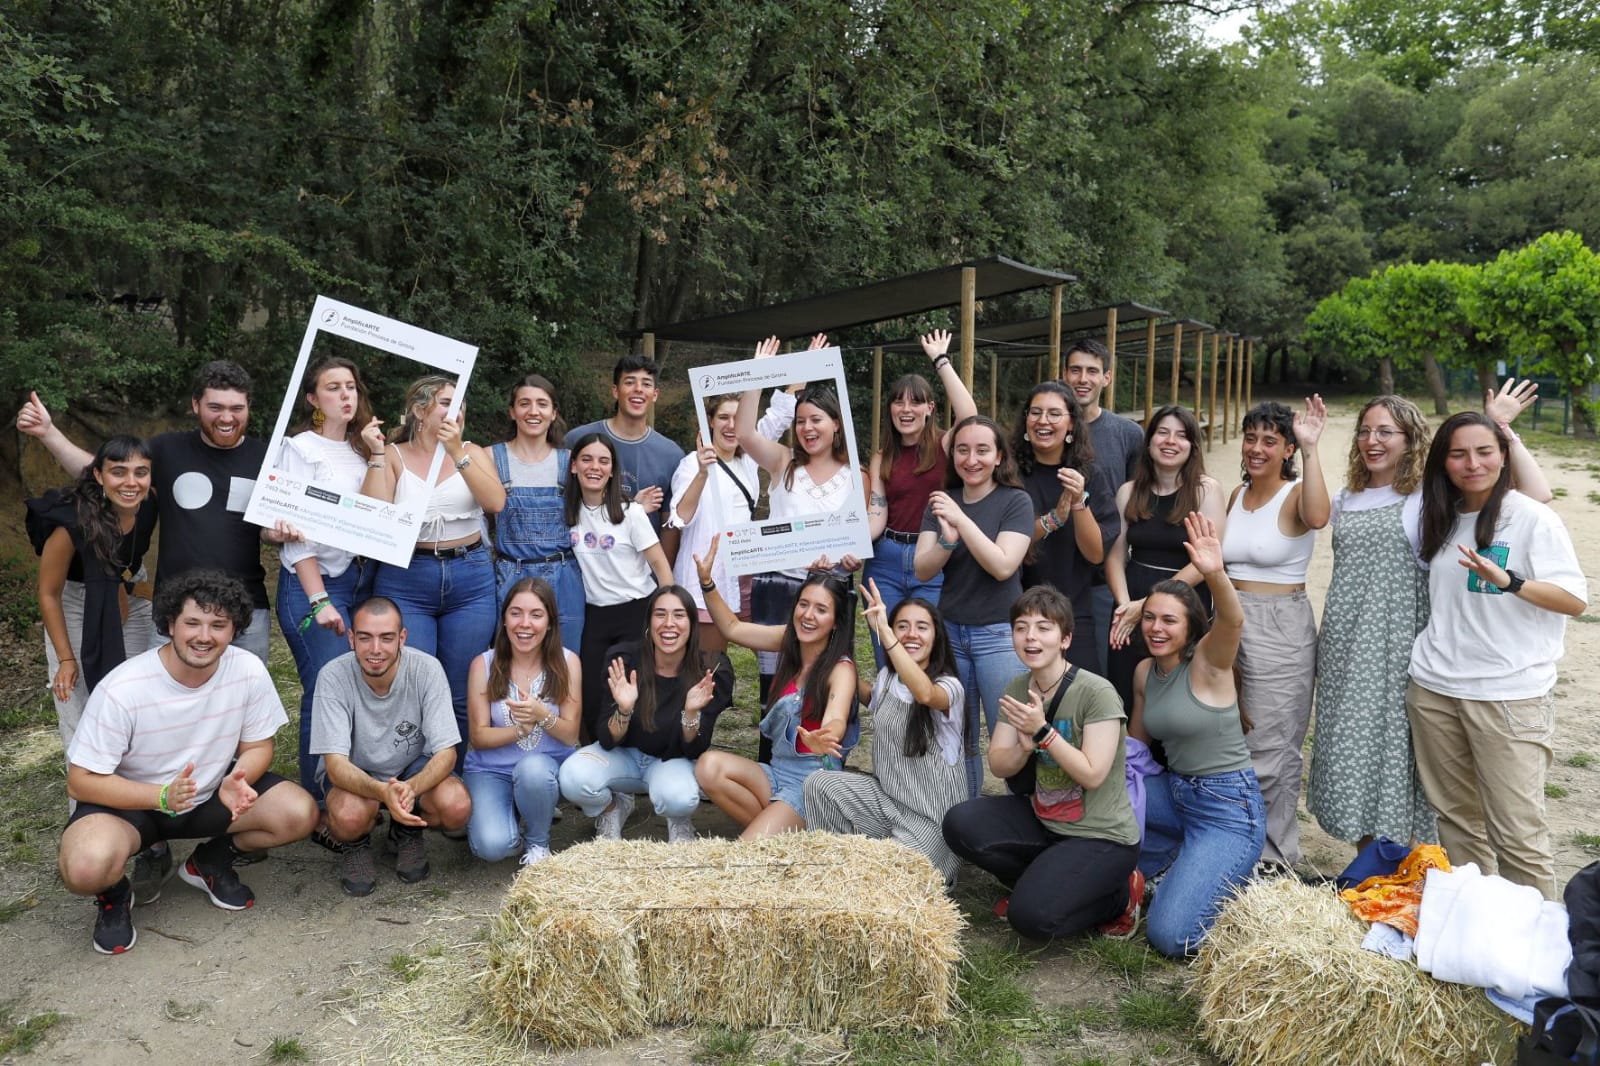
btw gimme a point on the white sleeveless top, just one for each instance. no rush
(452, 512)
(1254, 549)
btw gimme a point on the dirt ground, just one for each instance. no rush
(310, 964)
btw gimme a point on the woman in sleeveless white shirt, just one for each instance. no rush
(319, 585)
(1266, 545)
(446, 594)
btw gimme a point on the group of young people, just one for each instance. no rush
(1139, 651)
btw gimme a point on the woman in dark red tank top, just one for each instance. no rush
(909, 465)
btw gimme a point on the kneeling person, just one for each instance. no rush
(386, 729)
(175, 744)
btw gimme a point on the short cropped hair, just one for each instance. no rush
(378, 605)
(223, 375)
(1090, 346)
(1046, 601)
(631, 363)
(211, 590)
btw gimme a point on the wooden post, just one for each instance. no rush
(1177, 359)
(1038, 368)
(994, 384)
(1055, 331)
(1211, 402)
(969, 322)
(1249, 374)
(877, 396)
(647, 344)
(1149, 370)
(1229, 406)
(1109, 400)
(1199, 375)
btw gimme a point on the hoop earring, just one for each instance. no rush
(318, 419)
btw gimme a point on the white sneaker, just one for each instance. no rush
(680, 830)
(608, 824)
(535, 853)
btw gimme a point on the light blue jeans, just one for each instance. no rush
(591, 774)
(529, 791)
(1206, 834)
(986, 662)
(890, 566)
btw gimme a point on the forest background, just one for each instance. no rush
(179, 179)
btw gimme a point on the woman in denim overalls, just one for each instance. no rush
(531, 538)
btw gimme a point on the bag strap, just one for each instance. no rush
(1556, 1021)
(749, 500)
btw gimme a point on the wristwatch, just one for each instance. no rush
(1044, 731)
(1514, 586)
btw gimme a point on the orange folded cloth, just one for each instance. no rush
(1396, 899)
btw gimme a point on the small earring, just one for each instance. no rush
(318, 418)
(1068, 438)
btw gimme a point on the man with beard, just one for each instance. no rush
(176, 744)
(386, 730)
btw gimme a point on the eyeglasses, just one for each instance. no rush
(1039, 414)
(1383, 434)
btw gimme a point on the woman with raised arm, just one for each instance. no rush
(1075, 520)
(915, 706)
(531, 538)
(1205, 820)
(319, 585)
(906, 469)
(622, 560)
(977, 530)
(1481, 698)
(811, 720)
(1364, 780)
(1169, 482)
(717, 486)
(446, 593)
(665, 697)
(522, 721)
(1272, 522)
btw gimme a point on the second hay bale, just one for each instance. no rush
(811, 929)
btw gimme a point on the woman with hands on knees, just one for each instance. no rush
(915, 703)
(666, 694)
(1205, 820)
(522, 721)
(908, 466)
(717, 486)
(1271, 529)
(977, 531)
(811, 720)
(1502, 576)
(1065, 840)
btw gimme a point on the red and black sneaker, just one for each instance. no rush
(219, 882)
(113, 924)
(1127, 923)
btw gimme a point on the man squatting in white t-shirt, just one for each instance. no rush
(176, 744)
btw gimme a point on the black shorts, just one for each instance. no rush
(212, 818)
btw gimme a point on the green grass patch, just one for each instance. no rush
(998, 1010)
(1586, 840)
(406, 967)
(1558, 492)
(21, 1037)
(15, 908)
(287, 1049)
(1130, 959)
(1075, 1021)
(1589, 618)
(1581, 760)
(1155, 1011)
(725, 1047)
(1555, 792)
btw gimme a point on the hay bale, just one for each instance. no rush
(1282, 978)
(809, 929)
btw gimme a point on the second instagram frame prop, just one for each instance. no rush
(361, 524)
(800, 539)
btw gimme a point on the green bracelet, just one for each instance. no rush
(161, 803)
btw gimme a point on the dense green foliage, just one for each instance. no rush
(178, 180)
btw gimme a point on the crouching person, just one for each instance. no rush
(174, 744)
(386, 730)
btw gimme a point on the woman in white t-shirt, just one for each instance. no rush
(621, 559)
(1481, 699)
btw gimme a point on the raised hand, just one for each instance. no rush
(699, 694)
(702, 563)
(372, 434)
(936, 343)
(624, 685)
(1308, 424)
(768, 348)
(400, 797)
(704, 454)
(450, 436)
(1072, 489)
(34, 418)
(1025, 718)
(1488, 571)
(1205, 550)
(820, 340)
(235, 793)
(876, 615)
(948, 513)
(1513, 398)
(650, 498)
(181, 790)
(1124, 621)
(820, 741)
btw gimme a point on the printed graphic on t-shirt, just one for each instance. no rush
(408, 737)
(191, 490)
(1056, 796)
(1500, 552)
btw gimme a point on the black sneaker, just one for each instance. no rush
(218, 881)
(358, 875)
(113, 924)
(249, 858)
(151, 868)
(411, 854)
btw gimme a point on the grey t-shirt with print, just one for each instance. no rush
(383, 734)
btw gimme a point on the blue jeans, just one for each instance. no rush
(986, 662)
(890, 566)
(567, 581)
(316, 647)
(449, 611)
(1206, 833)
(498, 799)
(591, 774)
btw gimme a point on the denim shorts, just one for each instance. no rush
(787, 777)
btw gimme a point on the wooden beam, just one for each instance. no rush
(1149, 370)
(1055, 331)
(1211, 402)
(1177, 361)
(1199, 373)
(1249, 374)
(969, 322)
(994, 385)
(647, 345)
(1229, 405)
(1109, 400)
(877, 396)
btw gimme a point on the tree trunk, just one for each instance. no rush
(1486, 377)
(1582, 413)
(1386, 375)
(1435, 376)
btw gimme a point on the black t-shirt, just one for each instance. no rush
(192, 483)
(1117, 441)
(1056, 559)
(664, 739)
(971, 596)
